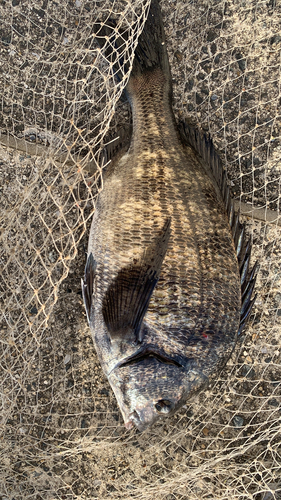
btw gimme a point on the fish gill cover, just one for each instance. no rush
(62, 435)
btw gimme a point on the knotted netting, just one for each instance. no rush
(62, 436)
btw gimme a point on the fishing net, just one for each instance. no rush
(62, 436)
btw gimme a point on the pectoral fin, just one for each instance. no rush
(127, 297)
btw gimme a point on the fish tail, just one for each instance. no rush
(151, 51)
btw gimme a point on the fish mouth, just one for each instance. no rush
(143, 418)
(148, 352)
(141, 415)
(135, 420)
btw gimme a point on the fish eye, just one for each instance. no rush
(164, 406)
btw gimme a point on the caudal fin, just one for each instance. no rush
(151, 51)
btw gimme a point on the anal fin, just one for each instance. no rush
(87, 284)
(116, 147)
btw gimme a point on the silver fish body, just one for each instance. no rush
(162, 284)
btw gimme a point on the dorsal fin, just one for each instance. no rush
(204, 146)
(127, 297)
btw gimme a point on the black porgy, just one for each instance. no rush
(167, 284)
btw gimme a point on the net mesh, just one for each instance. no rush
(62, 436)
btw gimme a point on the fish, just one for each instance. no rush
(167, 286)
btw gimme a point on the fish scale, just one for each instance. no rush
(162, 285)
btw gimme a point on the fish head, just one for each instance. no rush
(149, 390)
